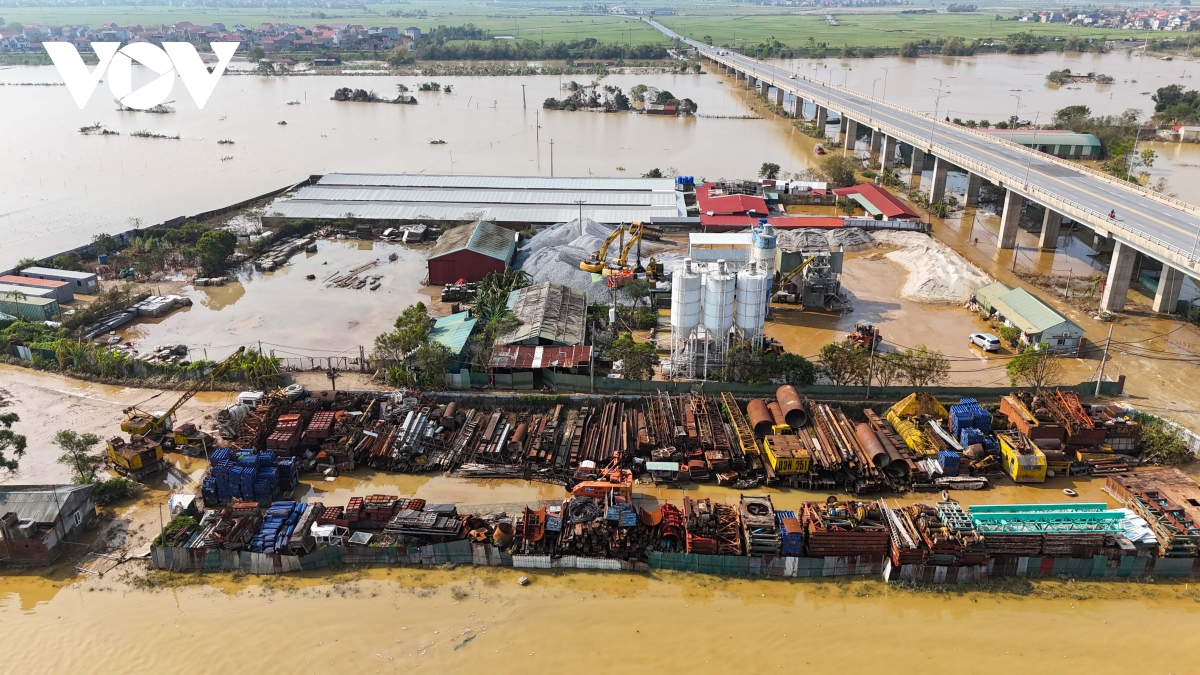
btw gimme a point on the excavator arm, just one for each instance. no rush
(596, 263)
(635, 237)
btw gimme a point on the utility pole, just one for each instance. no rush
(1016, 249)
(1103, 359)
(552, 158)
(1067, 290)
(537, 126)
(871, 368)
(523, 106)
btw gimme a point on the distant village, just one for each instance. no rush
(1180, 19)
(272, 37)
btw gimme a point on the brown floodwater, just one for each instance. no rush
(290, 315)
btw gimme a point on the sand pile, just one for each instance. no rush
(936, 273)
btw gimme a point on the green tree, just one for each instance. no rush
(844, 363)
(839, 170)
(1161, 441)
(924, 367)
(256, 53)
(707, 40)
(77, 453)
(768, 170)
(636, 290)
(1036, 367)
(12, 444)
(910, 50)
(411, 330)
(653, 173)
(266, 68)
(213, 249)
(637, 358)
(105, 243)
(429, 363)
(889, 368)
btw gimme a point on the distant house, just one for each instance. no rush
(36, 520)
(391, 32)
(877, 202)
(81, 282)
(1057, 142)
(471, 252)
(412, 32)
(1037, 321)
(454, 332)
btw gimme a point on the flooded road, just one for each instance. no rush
(290, 315)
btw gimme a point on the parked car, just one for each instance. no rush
(985, 341)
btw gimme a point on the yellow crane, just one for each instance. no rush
(595, 264)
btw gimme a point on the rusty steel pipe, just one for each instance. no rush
(793, 407)
(871, 445)
(776, 412)
(760, 416)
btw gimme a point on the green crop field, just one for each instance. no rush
(866, 30)
(726, 23)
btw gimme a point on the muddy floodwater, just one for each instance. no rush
(292, 315)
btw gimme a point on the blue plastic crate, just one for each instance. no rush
(950, 461)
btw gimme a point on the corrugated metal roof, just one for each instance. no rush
(481, 237)
(548, 312)
(51, 272)
(453, 331)
(547, 214)
(565, 198)
(986, 296)
(526, 357)
(884, 202)
(498, 182)
(719, 239)
(1047, 137)
(41, 503)
(27, 291)
(1030, 314)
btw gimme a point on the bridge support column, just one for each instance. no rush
(779, 97)
(820, 119)
(937, 187)
(763, 87)
(918, 161)
(851, 133)
(1009, 218)
(1170, 282)
(1116, 287)
(876, 141)
(1051, 224)
(887, 156)
(974, 182)
(842, 123)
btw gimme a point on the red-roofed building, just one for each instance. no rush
(879, 203)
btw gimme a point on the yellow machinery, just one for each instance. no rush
(137, 458)
(595, 264)
(1022, 459)
(157, 426)
(786, 454)
(190, 440)
(621, 263)
(787, 279)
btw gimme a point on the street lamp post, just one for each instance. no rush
(1032, 148)
(885, 77)
(1017, 112)
(936, 103)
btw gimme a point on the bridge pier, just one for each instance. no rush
(1013, 203)
(843, 121)
(1166, 297)
(918, 161)
(1051, 224)
(876, 141)
(937, 187)
(1116, 287)
(763, 87)
(851, 133)
(821, 118)
(974, 183)
(887, 156)
(779, 97)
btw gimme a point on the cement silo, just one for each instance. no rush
(719, 294)
(762, 248)
(750, 314)
(687, 293)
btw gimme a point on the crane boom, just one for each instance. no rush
(791, 276)
(154, 423)
(596, 262)
(635, 237)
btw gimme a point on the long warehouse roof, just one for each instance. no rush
(498, 182)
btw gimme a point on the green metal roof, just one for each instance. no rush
(986, 296)
(482, 237)
(1030, 314)
(454, 331)
(866, 204)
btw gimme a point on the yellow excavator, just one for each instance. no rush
(152, 432)
(597, 263)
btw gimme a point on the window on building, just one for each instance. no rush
(78, 517)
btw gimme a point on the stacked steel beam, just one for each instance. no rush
(845, 529)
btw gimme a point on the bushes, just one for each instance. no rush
(114, 490)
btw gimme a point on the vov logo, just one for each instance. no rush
(178, 57)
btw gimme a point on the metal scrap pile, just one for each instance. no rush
(760, 531)
(1075, 529)
(844, 529)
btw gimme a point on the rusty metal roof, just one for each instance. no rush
(549, 313)
(524, 357)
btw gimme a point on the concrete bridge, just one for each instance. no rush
(1155, 225)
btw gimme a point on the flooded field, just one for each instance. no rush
(289, 314)
(58, 187)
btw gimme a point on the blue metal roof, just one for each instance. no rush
(481, 237)
(454, 331)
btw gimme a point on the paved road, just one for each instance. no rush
(1143, 219)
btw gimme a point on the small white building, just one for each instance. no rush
(81, 282)
(733, 247)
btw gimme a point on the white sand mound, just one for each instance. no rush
(936, 272)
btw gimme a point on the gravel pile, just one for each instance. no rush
(936, 272)
(847, 238)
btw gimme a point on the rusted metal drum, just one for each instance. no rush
(793, 408)
(776, 412)
(870, 443)
(760, 417)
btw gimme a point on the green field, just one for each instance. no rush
(868, 30)
(725, 23)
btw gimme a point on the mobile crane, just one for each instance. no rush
(151, 432)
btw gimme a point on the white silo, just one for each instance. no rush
(762, 251)
(718, 300)
(687, 292)
(751, 311)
